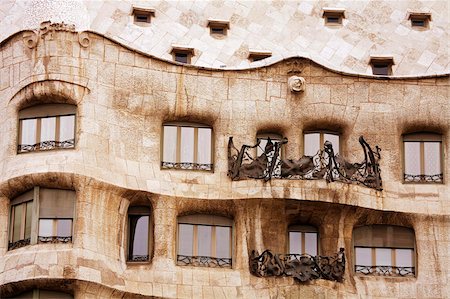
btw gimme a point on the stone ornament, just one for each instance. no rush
(303, 267)
(31, 38)
(296, 84)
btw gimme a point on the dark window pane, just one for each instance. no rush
(381, 69)
(335, 20)
(181, 57)
(138, 244)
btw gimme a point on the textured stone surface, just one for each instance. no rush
(286, 28)
(122, 101)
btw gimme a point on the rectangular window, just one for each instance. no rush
(187, 147)
(314, 142)
(382, 65)
(21, 221)
(303, 240)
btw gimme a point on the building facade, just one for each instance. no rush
(266, 161)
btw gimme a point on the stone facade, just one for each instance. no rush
(123, 97)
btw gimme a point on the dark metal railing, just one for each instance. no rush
(186, 166)
(18, 244)
(138, 258)
(324, 165)
(45, 145)
(423, 178)
(204, 261)
(54, 239)
(385, 270)
(303, 267)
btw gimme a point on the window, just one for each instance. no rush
(314, 141)
(204, 240)
(46, 127)
(263, 138)
(422, 158)
(382, 66)
(53, 220)
(333, 16)
(419, 20)
(142, 16)
(303, 239)
(44, 294)
(218, 27)
(384, 250)
(187, 146)
(138, 233)
(255, 55)
(182, 54)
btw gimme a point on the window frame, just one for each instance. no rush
(212, 221)
(258, 55)
(422, 138)
(391, 269)
(136, 12)
(303, 229)
(381, 61)
(322, 139)
(45, 111)
(149, 231)
(218, 24)
(338, 13)
(33, 195)
(178, 162)
(189, 52)
(424, 17)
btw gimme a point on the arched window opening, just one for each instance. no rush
(46, 127)
(303, 239)
(204, 240)
(384, 250)
(41, 215)
(313, 142)
(187, 146)
(422, 158)
(139, 234)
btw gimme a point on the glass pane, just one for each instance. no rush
(64, 228)
(204, 146)
(28, 131)
(17, 222)
(432, 157)
(185, 239)
(311, 243)
(170, 144)
(363, 256)
(223, 242)
(262, 145)
(312, 144)
(140, 236)
(295, 242)
(404, 257)
(48, 129)
(412, 158)
(204, 240)
(383, 256)
(67, 127)
(28, 220)
(46, 228)
(334, 139)
(187, 145)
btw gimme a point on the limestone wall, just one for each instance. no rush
(124, 97)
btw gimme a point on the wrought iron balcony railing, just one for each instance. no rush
(45, 145)
(324, 165)
(138, 258)
(203, 261)
(423, 178)
(303, 267)
(54, 239)
(385, 270)
(18, 244)
(186, 166)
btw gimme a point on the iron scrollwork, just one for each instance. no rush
(18, 244)
(138, 258)
(46, 145)
(303, 267)
(323, 165)
(203, 261)
(54, 239)
(424, 178)
(186, 166)
(385, 270)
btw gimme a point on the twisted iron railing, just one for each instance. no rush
(18, 244)
(46, 145)
(324, 165)
(186, 166)
(138, 258)
(54, 239)
(303, 267)
(385, 270)
(423, 178)
(203, 261)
